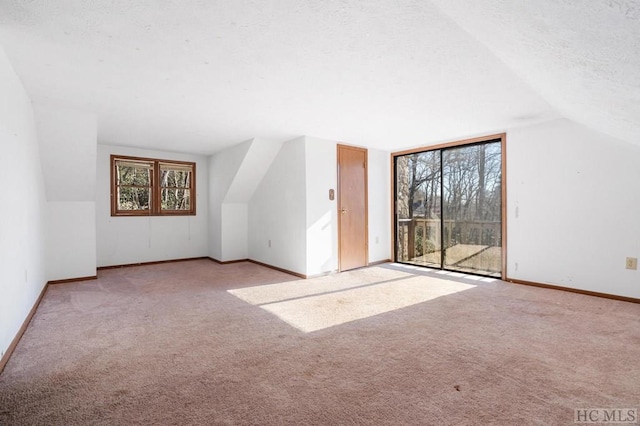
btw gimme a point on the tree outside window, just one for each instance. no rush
(151, 187)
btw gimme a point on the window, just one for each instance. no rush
(151, 187)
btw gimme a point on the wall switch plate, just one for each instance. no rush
(632, 263)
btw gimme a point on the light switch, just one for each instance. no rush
(332, 194)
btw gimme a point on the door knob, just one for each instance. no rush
(343, 211)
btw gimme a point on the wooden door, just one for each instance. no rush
(352, 207)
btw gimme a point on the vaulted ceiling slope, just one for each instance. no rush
(583, 57)
(199, 76)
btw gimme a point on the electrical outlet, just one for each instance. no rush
(632, 263)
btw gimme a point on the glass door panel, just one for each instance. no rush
(449, 208)
(418, 200)
(472, 208)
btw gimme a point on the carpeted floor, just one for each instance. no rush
(195, 342)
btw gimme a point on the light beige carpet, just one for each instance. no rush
(201, 343)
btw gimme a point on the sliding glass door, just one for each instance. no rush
(418, 208)
(448, 205)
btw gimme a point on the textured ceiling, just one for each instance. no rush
(199, 76)
(583, 57)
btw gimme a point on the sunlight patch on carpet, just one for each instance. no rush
(341, 298)
(269, 293)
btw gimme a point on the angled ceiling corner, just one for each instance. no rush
(257, 159)
(581, 58)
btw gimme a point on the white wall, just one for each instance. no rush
(322, 214)
(277, 211)
(291, 207)
(22, 222)
(234, 175)
(126, 240)
(259, 155)
(71, 239)
(223, 168)
(67, 141)
(573, 208)
(322, 219)
(235, 228)
(379, 194)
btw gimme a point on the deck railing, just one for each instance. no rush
(427, 235)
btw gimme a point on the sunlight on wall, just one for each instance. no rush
(319, 303)
(320, 245)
